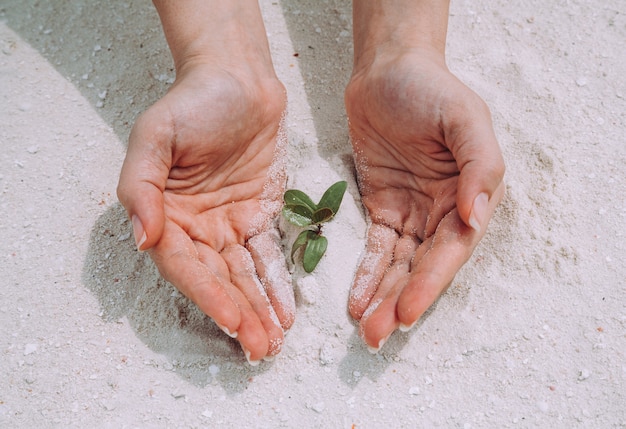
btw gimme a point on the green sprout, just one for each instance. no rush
(301, 211)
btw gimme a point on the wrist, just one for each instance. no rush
(230, 34)
(397, 26)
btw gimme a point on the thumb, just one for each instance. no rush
(142, 181)
(481, 166)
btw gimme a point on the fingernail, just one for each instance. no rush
(140, 233)
(227, 332)
(269, 358)
(247, 353)
(406, 328)
(381, 343)
(479, 211)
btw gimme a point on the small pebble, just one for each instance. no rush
(30, 349)
(123, 237)
(177, 394)
(326, 354)
(308, 289)
(583, 374)
(318, 407)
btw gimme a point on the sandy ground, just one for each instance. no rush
(531, 333)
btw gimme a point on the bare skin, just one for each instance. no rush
(204, 161)
(203, 180)
(430, 169)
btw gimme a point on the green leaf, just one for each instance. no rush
(302, 240)
(315, 249)
(333, 196)
(298, 215)
(322, 215)
(294, 197)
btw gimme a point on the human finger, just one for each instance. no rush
(250, 332)
(473, 142)
(379, 319)
(378, 256)
(243, 276)
(143, 177)
(452, 245)
(204, 281)
(271, 268)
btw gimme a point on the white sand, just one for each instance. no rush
(532, 333)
